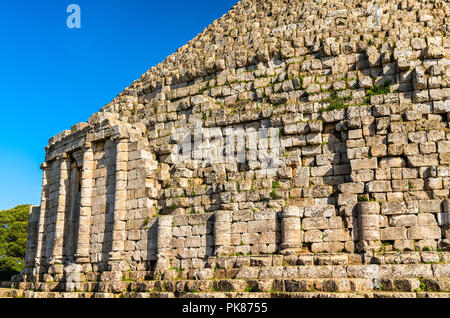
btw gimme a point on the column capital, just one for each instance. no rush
(44, 165)
(120, 138)
(82, 258)
(292, 211)
(87, 145)
(222, 216)
(63, 157)
(369, 207)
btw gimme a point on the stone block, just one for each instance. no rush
(378, 186)
(403, 220)
(378, 150)
(352, 188)
(362, 164)
(393, 233)
(426, 219)
(336, 235)
(423, 160)
(424, 232)
(319, 223)
(430, 206)
(393, 208)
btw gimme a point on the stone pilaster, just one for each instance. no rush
(72, 221)
(120, 205)
(369, 228)
(291, 233)
(63, 196)
(84, 223)
(164, 237)
(445, 225)
(41, 221)
(32, 238)
(445, 219)
(222, 233)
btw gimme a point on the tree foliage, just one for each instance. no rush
(13, 239)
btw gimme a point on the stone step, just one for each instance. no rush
(11, 293)
(240, 295)
(415, 257)
(262, 272)
(413, 264)
(5, 285)
(329, 271)
(303, 285)
(435, 274)
(317, 295)
(402, 284)
(294, 271)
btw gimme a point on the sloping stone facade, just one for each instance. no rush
(359, 93)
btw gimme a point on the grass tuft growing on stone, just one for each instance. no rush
(378, 90)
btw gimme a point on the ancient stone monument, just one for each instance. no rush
(357, 203)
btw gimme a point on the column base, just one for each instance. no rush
(291, 248)
(445, 244)
(73, 279)
(368, 246)
(162, 265)
(82, 259)
(223, 251)
(118, 266)
(54, 260)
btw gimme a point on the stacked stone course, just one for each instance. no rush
(360, 94)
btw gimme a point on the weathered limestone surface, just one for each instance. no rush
(360, 94)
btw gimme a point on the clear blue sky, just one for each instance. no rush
(52, 77)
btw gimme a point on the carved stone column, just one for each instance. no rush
(291, 233)
(84, 223)
(63, 196)
(369, 228)
(120, 206)
(222, 233)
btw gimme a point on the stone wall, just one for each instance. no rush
(361, 105)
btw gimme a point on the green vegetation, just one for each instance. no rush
(336, 102)
(250, 289)
(378, 90)
(364, 198)
(423, 286)
(275, 184)
(274, 195)
(13, 239)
